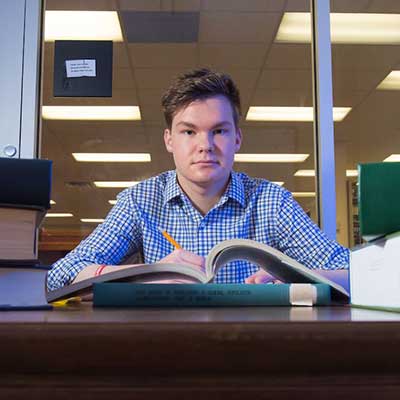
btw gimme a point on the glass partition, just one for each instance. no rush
(158, 40)
(365, 59)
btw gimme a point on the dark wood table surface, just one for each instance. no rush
(251, 352)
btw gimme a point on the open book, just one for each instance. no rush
(266, 257)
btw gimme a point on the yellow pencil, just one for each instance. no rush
(63, 303)
(171, 239)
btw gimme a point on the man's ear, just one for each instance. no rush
(168, 140)
(238, 140)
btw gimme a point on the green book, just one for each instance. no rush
(378, 199)
(123, 294)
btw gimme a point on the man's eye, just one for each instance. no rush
(188, 132)
(219, 131)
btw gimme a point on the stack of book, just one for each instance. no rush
(24, 199)
(374, 270)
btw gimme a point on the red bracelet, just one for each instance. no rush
(99, 269)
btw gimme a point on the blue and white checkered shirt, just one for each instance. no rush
(250, 208)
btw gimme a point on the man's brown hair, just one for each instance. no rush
(199, 84)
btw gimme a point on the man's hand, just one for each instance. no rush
(261, 277)
(180, 256)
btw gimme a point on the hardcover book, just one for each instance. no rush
(122, 294)
(378, 199)
(18, 228)
(266, 257)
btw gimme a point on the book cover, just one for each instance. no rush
(26, 183)
(114, 294)
(378, 199)
(23, 288)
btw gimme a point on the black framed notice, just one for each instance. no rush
(83, 68)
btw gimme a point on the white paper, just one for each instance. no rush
(375, 274)
(78, 68)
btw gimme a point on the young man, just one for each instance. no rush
(203, 201)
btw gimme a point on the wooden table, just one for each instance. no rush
(204, 353)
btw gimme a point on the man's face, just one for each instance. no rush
(203, 141)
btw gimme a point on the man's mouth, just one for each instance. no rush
(205, 162)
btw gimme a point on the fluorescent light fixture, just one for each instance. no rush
(391, 82)
(279, 183)
(58, 215)
(92, 220)
(303, 194)
(311, 172)
(112, 202)
(82, 25)
(52, 202)
(304, 114)
(305, 172)
(351, 173)
(115, 184)
(355, 28)
(241, 157)
(392, 158)
(92, 113)
(112, 157)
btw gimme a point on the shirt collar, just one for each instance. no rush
(235, 189)
(172, 188)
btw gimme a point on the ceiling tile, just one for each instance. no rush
(364, 57)
(140, 5)
(232, 56)
(84, 5)
(160, 27)
(216, 27)
(240, 5)
(123, 79)
(286, 79)
(274, 97)
(289, 56)
(163, 55)
(159, 78)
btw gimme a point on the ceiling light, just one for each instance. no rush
(52, 202)
(112, 202)
(114, 184)
(391, 82)
(355, 28)
(241, 157)
(304, 114)
(351, 173)
(311, 172)
(112, 157)
(100, 113)
(58, 215)
(303, 194)
(305, 172)
(82, 25)
(392, 158)
(92, 220)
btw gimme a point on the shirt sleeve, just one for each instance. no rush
(300, 238)
(109, 243)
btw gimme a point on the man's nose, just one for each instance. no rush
(206, 141)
